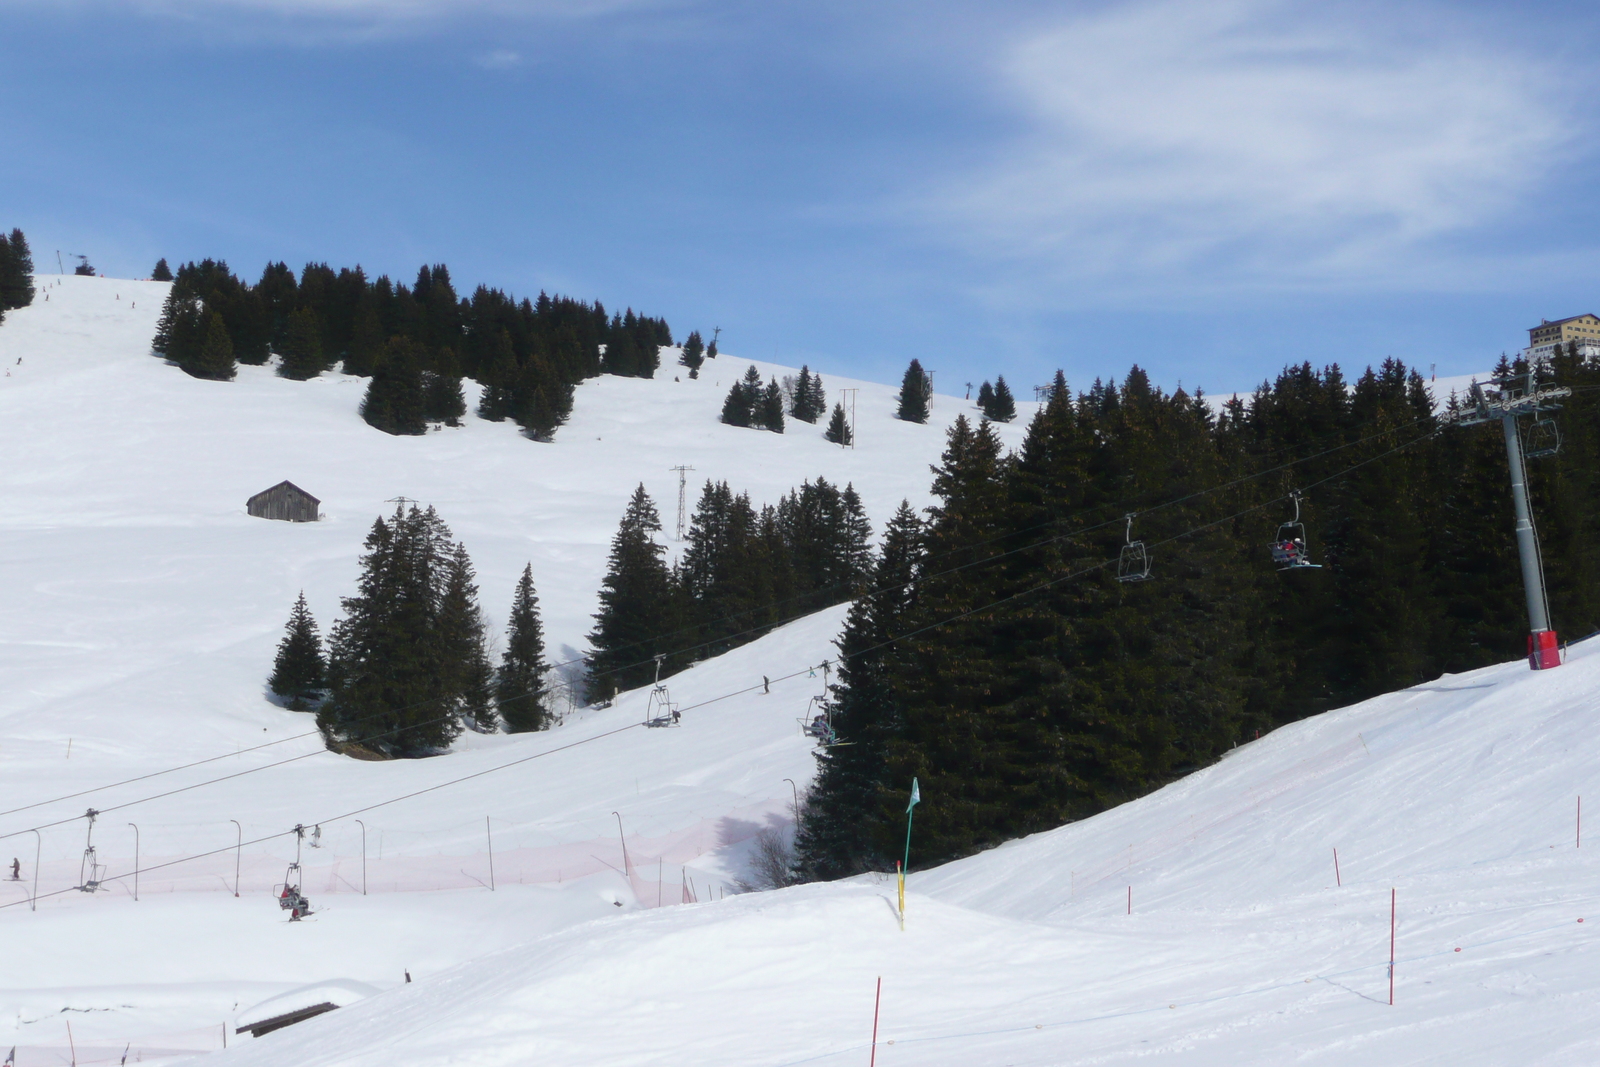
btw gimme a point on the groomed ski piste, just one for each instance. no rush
(1203, 924)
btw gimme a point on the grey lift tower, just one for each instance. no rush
(1516, 396)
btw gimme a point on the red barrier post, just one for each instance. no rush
(1337, 880)
(876, 1000)
(1130, 900)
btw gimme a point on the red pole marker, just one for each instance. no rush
(1391, 948)
(1336, 878)
(1130, 900)
(876, 1000)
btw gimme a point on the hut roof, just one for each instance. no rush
(290, 485)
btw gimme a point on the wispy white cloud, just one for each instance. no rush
(1257, 141)
(499, 59)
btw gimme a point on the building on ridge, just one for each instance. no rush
(1584, 329)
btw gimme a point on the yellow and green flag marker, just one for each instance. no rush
(916, 798)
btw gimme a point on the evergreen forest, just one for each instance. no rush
(415, 342)
(742, 572)
(996, 657)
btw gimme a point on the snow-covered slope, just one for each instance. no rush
(1202, 924)
(141, 608)
(1240, 946)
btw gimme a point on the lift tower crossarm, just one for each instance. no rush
(1519, 396)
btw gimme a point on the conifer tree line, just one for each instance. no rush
(416, 343)
(16, 272)
(742, 571)
(407, 667)
(749, 403)
(996, 401)
(1019, 715)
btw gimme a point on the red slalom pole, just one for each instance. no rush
(1130, 900)
(876, 1000)
(1391, 948)
(1336, 878)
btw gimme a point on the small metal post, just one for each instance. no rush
(793, 789)
(363, 856)
(237, 849)
(135, 861)
(490, 834)
(626, 866)
(34, 900)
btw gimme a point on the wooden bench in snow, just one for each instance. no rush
(298, 1005)
(284, 501)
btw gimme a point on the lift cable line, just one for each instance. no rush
(764, 684)
(300, 827)
(1516, 396)
(1079, 532)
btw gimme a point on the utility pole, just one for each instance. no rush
(682, 482)
(849, 396)
(1521, 395)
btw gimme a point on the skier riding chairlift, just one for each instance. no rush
(294, 902)
(819, 728)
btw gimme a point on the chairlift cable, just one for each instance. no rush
(1100, 565)
(765, 627)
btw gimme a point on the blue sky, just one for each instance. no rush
(1210, 190)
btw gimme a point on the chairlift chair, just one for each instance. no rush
(659, 710)
(290, 898)
(1133, 562)
(1289, 547)
(1542, 439)
(90, 871)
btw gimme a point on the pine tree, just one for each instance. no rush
(406, 661)
(985, 397)
(519, 683)
(162, 273)
(215, 358)
(16, 272)
(442, 398)
(844, 829)
(394, 402)
(300, 672)
(179, 331)
(809, 398)
(916, 390)
(499, 376)
(637, 604)
(622, 351)
(745, 404)
(461, 634)
(366, 341)
(1003, 406)
(711, 349)
(301, 347)
(838, 430)
(769, 415)
(694, 354)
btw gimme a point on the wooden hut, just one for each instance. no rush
(285, 501)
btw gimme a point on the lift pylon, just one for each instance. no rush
(1515, 396)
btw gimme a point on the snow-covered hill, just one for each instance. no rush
(1204, 924)
(142, 606)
